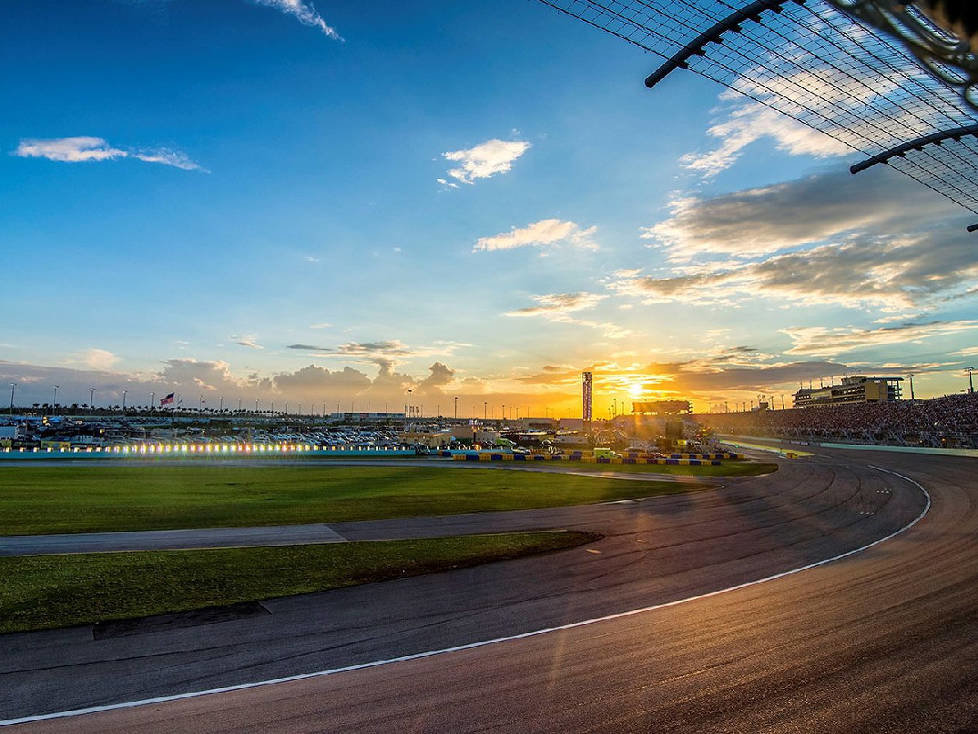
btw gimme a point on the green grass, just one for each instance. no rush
(79, 498)
(57, 591)
(727, 469)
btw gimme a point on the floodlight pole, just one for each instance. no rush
(971, 384)
(13, 386)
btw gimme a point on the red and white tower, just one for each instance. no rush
(586, 379)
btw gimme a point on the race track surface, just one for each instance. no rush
(882, 640)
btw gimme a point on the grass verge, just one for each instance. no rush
(77, 498)
(41, 592)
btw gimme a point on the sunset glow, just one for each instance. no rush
(332, 240)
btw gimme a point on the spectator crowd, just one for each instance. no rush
(948, 421)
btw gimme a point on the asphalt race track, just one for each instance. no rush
(885, 639)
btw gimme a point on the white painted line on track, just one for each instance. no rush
(481, 643)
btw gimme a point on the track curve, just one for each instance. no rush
(795, 653)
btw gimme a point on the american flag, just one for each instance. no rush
(168, 400)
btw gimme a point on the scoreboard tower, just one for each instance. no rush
(586, 379)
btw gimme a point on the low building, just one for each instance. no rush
(537, 424)
(474, 433)
(856, 389)
(430, 439)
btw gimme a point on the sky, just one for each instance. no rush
(367, 205)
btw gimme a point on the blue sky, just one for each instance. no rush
(211, 197)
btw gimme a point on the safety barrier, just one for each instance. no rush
(193, 450)
(720, 455)
(489, 456)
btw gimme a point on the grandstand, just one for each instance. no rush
(950, 421)
(855, 389)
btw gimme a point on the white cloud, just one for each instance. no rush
(748, 122)
(484, 160)
(544, 232)
(822, 341)
(558, 307)
(94, 358)
(553, 303)
(69, 150)
(830, 238)
(894, 274)
(168, 157)
(321, 325)
(390, 352)
(305, 13)
(248, 340)
(83, 149)
(800, 212)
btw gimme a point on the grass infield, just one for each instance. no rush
(56, 591)
(78, 498)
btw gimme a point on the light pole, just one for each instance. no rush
(124, 401)
(13, 386)
(971, 383)
(152, 401)
(54, 406)
(485, 409)
(221, 409)
(910, 377)
(456, 407)
(91, 398)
